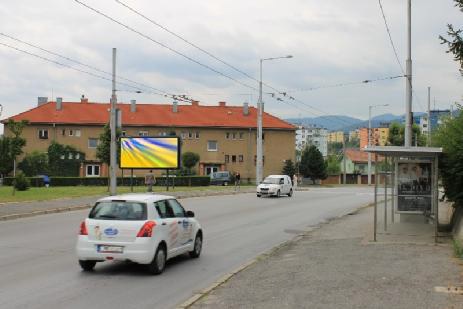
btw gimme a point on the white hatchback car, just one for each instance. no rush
(275, 185)
(143, 228)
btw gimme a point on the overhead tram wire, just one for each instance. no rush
(395, 49)
(85, 71)
(79, 62)
(165, 46)
(182, 54)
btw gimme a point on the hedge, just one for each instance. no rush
(103, 181)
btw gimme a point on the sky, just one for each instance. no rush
(331, 41)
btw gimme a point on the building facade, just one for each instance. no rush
(312, 135)
(223, 136)
(379, 137)
(336, 137)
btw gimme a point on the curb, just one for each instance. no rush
(81, 207)
(264, 255)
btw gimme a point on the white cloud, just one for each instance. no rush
(332, 41)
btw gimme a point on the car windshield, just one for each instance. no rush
(271, 180)
(119, 210)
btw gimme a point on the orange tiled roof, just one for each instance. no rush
(359, 156)
(160, 115)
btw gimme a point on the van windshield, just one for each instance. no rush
(271, 180)
(119, 210)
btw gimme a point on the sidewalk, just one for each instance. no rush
(337, 266)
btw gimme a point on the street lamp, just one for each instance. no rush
(260, 103)
(369, 139)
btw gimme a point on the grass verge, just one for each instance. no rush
(458, 248)
(45, 194)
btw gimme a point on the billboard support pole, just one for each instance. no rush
(167, 179)
(131, 179)
(113, 124)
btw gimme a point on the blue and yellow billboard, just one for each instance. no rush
(150, 152)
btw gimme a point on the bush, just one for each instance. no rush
(21, 183)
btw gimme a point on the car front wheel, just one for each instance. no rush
(278, 193)
(197, 247)
(87, 265)
(258, 195)
(158, 264)
(290, 193)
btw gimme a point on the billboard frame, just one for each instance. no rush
(179, 150)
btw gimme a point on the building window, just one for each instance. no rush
(234, 135)
(143, 133)
(227, 158)
(184, 135)
(43, 134)
(63, 132)
(190, 134)
(77, 133)
(241, 135)
(233, 159)
(255, 160)
(123, 133)
(92, 142)
(240, 158)
(197, 135)
(212, 146)
(71, 133)
(93, 170)
(70, 156)
(77, 156)
(227, 135)
(162, 133)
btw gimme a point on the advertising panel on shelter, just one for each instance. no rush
(150, 152)
(414, 187)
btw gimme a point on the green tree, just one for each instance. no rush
(333, 165)
(449, 136)
(397, 135)
(334, 147)
(64, 160)
(353, 143)
(289, 168)
(6, 160)
(16, 141)
(455, 40)
(35, 163)
(312, 164)
(189, 160)
(103, 150)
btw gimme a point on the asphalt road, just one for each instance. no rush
(38, 267)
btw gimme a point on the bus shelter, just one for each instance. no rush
(413, 176)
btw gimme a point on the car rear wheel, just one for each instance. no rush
(87, 265)
(258, 195)
(290, 193)
(197, 246)
(225, 183)
(158, 264)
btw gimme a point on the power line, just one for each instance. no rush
(85, 65)
(338, 85)
(164, 45)
(85, 71)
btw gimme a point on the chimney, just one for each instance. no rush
(222, 104)
(59, 104)
(42, 100)
(83, 99)
(245, 108)
(175, 107)
(133, 106)
(195, 103)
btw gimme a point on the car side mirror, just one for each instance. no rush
(190, 214)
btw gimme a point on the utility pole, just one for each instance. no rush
(344, 161)
(113, 124)
(408, 109)
(369, 144)
(429, 116)
(260, 104)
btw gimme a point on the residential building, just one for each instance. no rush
(224, 136)
(379, 136)
(312, 135)
(353, 135)
(437, 116)
(357, 162)
(336, 137)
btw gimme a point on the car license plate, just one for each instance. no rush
(109, 249)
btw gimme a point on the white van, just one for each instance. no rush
(275, 185)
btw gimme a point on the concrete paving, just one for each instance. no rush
(337, 266)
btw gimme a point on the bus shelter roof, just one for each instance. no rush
(400, 151)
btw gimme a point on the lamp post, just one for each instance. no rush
(260, 103)
(369, 140)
